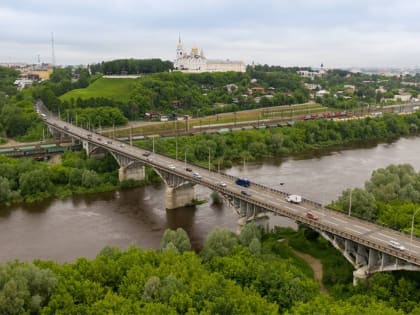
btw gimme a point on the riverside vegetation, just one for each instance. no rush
(249, 273)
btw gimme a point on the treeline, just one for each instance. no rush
(249, 273)
(390, 197)
(27, 180)
(235, 147)
(132, 66)
(197, 94)
(17, 118)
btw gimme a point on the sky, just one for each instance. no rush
(337, 33)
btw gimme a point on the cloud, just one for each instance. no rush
(299, 32)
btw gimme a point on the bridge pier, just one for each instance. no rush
(261, 219)
(131, 172)
(180, 196)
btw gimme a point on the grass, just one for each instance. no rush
(116, 89)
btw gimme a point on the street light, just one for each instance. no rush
(350, 203)
(412, 223)
(185, 157)
(209, 160)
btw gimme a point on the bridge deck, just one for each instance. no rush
(362, 232)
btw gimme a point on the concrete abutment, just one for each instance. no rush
(136, 173)
(180, 196)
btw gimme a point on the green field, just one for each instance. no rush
(116, 89)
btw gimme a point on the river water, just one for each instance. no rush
(62, 230)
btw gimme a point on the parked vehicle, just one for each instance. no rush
(244, 182)
(294, 199)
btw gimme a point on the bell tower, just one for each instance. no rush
(179, 50)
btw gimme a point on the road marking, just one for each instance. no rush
(376, 238)
(342, 221)
(412, 245)
(384, 235)
(328, 221)
(355, 231)
(361, 227)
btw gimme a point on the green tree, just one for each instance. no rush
(179, 239)
(220, 242)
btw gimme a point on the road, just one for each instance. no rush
(363, 232)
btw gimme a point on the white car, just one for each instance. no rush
(294, 199)
(197, 175)
(172, 167)
(396, 245)
(222, 184)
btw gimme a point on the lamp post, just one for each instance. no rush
(412, 223)
(350, 203)
(209, 161)
(185, 158)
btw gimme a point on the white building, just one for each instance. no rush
(196, 62)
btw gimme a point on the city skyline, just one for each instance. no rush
(302, 33)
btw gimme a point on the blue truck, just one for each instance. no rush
(244, 182)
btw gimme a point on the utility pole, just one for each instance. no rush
(350, 203)
(131, 136)
(153, 144)
(209, 161)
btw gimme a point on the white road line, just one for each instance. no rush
(376, 238)
(361, 227)
(339, 220)
(409, 245)
(384, 235)
(328, 221)
(355, 231)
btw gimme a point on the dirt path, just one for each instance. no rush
(316, 266)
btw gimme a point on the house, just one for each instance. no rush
(322, 93)
(349, 89)
(403, 97)
(231, 88)
(257, 89)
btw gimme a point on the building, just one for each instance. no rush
(196, 62)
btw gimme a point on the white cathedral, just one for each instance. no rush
(196, 62)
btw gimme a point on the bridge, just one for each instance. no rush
(368, 247)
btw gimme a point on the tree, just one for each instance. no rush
(90, 179)
(220, 242)
(5, 191)
(248, 233)
(363, 203)
(34, 183)
(179, 239)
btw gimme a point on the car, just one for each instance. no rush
(197, 175)
(222, 184)
(246, 193)
(294, 199)
(122, 145)
(171, 166)
(147, 154)
(109, 142)
(312, 216)
(396, 245)
(188, 169)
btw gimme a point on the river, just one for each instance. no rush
(62, 230)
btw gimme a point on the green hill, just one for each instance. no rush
(116, 89)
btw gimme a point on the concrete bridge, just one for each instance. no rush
(365, 245)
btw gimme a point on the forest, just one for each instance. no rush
(27, 180)
(248, 273)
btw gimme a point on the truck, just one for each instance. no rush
(294, 199)
(244, 182)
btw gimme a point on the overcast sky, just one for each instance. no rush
(338, 33)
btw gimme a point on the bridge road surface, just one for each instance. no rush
(360, 231)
